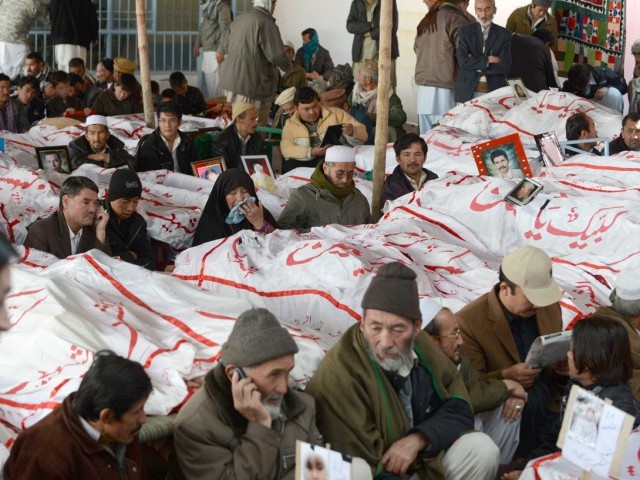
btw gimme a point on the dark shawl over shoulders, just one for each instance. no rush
(212, 225)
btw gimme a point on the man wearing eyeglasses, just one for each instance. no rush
(497, 404)
(499, 328)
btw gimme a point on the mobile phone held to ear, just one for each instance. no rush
(241, 373)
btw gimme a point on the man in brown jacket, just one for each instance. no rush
(244, 422)
(93, 434)
(499, 327)
(625, 307)
(78, 226)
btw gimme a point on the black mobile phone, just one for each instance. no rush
(241, 373)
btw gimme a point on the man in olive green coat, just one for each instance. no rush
(387, 394)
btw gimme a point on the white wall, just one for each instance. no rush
(329, 18)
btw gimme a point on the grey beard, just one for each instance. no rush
(392, 364)
(274, 410)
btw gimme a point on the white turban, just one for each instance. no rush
(266, 4)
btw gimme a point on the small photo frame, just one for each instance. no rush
(524, 192)
(549, 148)
(209, 169)
(502, 157)
(315, 462)
(54, 159)
(519, 90)
(257, 164)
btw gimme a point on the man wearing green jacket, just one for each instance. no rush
(386, 393)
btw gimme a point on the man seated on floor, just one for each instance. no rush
(77, 67)
(625, 306)
(27, 105)
(190, 99)
(581, 126)
(331, 197)
(303, 133)
(98, 146)
(410, 174)
(61, 102)
(499, 327)
(167, 147)
(363, 104)
(315, 59)
(94, 433)
(86, 92)
(600, 84)
(386, 393)
(497, 404)
(127, 229)
(286, 107)
(245, 420)
(239, 138)
(629, 139)
(78, 226)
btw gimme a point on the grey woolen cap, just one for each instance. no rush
(257, 337)
(394, 290)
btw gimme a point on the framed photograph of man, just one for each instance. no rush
(524, 192)
(209, 169)
(257, 164)
(519, 90)
(54, 159)
(502, 157)
(550, 149)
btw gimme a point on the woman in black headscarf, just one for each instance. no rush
(225, 213)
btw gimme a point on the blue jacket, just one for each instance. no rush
(474, 63)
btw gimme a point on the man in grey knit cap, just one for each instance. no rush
(244, 421)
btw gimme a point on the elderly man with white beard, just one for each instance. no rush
(385, 392)
(244, 421)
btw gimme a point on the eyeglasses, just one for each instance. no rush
(455, 335)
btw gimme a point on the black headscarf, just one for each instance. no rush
(212, 224)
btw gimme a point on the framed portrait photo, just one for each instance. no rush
(550, 149)
(518, 88)
(524, 192)
(502, 157)
(209, 169)
(54, 159)
(257, 164)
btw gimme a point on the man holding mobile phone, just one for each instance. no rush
(244, 421)
(78, 226)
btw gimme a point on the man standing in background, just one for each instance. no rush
(255, 51)
(213, 35)
(18, 17)
(74, 27)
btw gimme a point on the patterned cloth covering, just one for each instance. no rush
(590, 31)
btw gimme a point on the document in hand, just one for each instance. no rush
(548, 349)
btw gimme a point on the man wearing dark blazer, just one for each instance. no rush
(499, 328)
(78, 226)
(483, 54)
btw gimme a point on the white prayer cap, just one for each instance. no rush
(340, 154)
(286, 96)
(96, 120)
(289, 43)
(628, 282)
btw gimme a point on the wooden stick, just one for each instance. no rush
(382, 105)
(145, 71)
